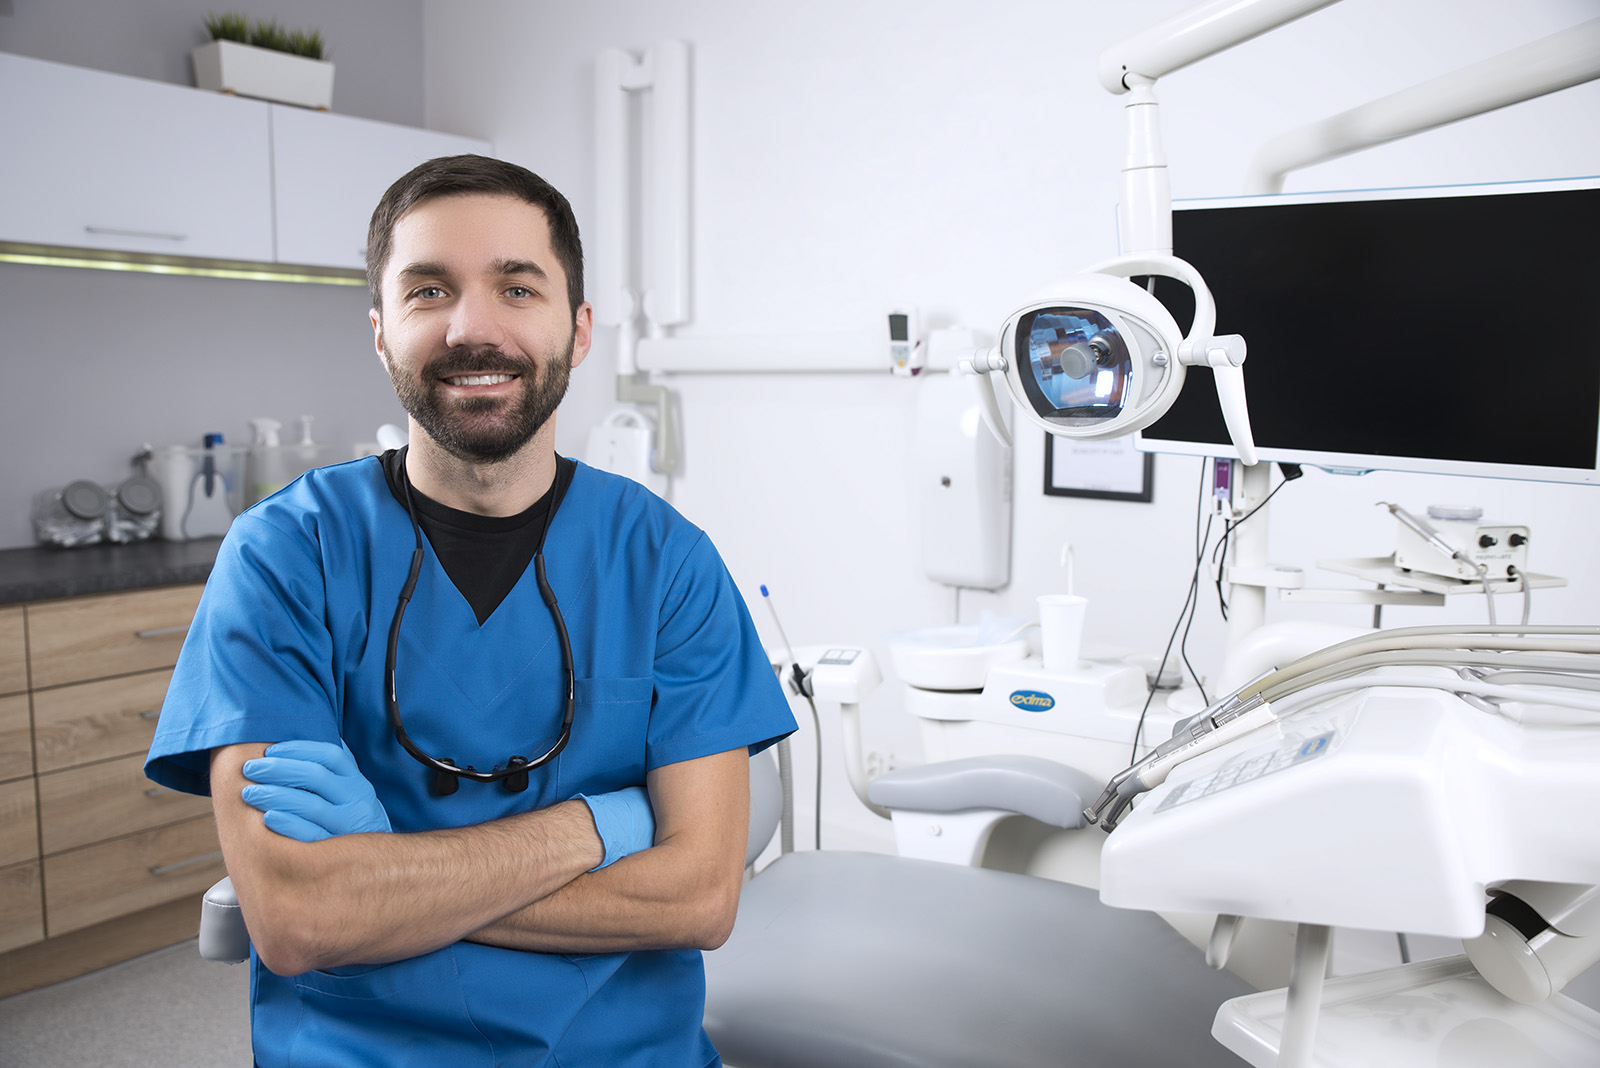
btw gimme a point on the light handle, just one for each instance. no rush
(982, 364)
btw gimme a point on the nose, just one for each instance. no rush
(474, 322)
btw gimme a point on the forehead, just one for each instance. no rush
(472, 232)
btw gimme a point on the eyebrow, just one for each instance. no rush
(412, 271)
(528, 267)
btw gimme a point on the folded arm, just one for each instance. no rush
(683, 893)
(373, 898)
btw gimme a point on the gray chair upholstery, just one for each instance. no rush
(860, 960)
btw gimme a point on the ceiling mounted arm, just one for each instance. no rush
(1192, 35)
(1559, 61)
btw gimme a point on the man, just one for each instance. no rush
(343, 668)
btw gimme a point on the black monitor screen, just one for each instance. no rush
(1456, 330)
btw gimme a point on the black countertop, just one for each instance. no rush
(41, 574)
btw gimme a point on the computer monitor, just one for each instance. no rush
(1452, 330)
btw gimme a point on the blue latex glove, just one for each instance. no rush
(624, 820)
(312, 790)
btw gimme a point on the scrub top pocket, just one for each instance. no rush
(411, 1012)
(609, 733)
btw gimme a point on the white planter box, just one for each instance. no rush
(230, 67)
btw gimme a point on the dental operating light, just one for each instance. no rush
(1101, 357)
(1098, 356)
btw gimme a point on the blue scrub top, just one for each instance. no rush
(289, 642)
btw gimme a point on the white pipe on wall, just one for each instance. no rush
(666, 295)
(608, 285)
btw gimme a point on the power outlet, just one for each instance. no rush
(878, 763)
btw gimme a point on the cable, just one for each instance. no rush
(1543, 678)
(1290, 472)
(799, 678)
(1527, 591)
(1438, 637)
(1185, 611)
(1313, 694)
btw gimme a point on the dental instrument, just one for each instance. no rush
(1323, 674)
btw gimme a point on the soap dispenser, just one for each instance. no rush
(267, 473)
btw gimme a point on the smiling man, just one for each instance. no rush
(379, 631)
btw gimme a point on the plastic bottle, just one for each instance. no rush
(267, 474)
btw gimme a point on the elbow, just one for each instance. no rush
(293, 931)
(288, 944)
(719, 909)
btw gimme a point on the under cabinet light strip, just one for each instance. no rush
(44, 256)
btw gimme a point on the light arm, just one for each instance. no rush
(1559, 61)
(683, 893)
(372, 898)
(1193, 35)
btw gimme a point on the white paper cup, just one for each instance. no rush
(1061, 629)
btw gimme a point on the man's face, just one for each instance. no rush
(476, 329)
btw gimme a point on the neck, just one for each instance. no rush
(501, 488)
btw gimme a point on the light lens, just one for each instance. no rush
(1074, 366)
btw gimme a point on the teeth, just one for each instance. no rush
(479, 380)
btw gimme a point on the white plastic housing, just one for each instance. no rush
(963, 486)
(1384, 809)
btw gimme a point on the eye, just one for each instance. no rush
(519, 292)
(428, 292)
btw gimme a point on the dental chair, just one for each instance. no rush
(865, 960)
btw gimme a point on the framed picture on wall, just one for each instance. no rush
(1110, 469)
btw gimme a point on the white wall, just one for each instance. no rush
(850, 154)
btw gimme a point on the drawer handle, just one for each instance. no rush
(150, 713)
(168, 869)
(161, 632)
(112, 231)
(159, 791)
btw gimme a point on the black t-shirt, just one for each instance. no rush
(484, 555)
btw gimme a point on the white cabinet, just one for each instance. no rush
(104, 161)
(97, 160)
(328, 172)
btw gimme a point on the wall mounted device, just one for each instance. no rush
(963, 486)
(643, 299)
(906, 353)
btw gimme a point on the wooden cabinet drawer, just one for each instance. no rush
(13, 652)
(117, 634)
(90, 804)
(21, 907)
(100, 882)
(96, 720)
(16, 738)
(19, 823)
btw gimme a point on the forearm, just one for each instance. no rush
(662, 898)
(682, 893)
(369, 898)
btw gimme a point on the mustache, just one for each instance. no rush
(464, 359)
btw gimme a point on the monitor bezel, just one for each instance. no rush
(1361, 463)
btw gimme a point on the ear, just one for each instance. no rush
(377, 331)
(582, 332)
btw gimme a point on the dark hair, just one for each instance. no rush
(460, 175)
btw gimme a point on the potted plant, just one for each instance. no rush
(261, 59)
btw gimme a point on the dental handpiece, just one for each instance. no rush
(1229, 720)
(1428, 534)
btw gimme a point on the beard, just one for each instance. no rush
(482, 429)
